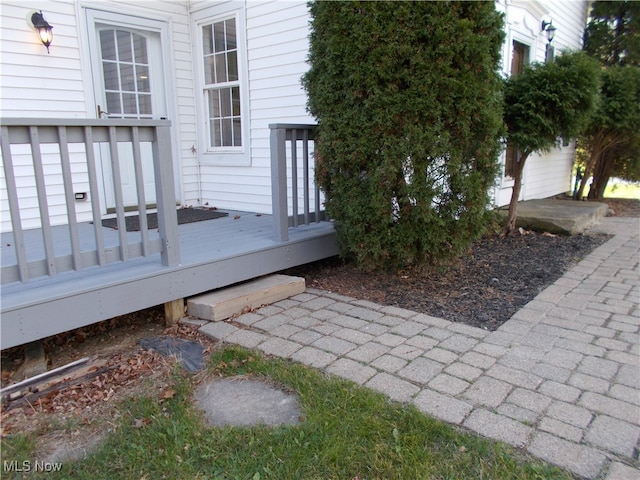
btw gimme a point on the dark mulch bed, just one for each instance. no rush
(482, 288)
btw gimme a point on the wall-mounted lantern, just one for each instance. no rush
(549, 53)
(45, 31)
(550, 29)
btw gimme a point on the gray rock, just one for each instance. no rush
(243, 402)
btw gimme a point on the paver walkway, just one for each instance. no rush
(561, 378)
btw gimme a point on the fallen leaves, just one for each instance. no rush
(167, 394)
(121, 372)
(107, 378)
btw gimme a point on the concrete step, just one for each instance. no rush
(565, 217)
(224, 303)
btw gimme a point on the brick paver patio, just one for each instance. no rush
(561, 378)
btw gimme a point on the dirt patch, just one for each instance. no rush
(71, 420)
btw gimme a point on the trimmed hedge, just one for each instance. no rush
(409, 106)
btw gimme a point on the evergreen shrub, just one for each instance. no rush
(408, 101)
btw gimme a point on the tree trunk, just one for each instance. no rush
(601, 176)
(510, 225)
(588, 170)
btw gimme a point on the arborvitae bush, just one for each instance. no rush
(408, 101)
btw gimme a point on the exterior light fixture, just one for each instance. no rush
(45, 31)
(550, 29)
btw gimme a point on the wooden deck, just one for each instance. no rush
(213, 254)
(57, 278)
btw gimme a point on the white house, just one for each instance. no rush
(137, 102)
(221, 71)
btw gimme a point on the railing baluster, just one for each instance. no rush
(294, 176)
(317, 198)
(14, 206)
(94, 196)
(117, 187)
(279, 183)
(305, 171)
(65, 161)
(45, 222)
(165, 197)
(142, 204)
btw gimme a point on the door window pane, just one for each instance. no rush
(129, 104)
(110, 73)
(127, 78)
(108, 45)
(124, 46)
(126, 73)
(144, 104)
(113, 103)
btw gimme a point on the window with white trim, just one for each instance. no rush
(222, 92)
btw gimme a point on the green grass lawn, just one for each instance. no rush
(348, 433)
(620, 189)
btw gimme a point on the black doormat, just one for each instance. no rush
(185, 215)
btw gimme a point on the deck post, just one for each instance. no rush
(173, 311)
(165, 196)
(279, 183)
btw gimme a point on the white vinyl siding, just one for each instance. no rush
(34, 83)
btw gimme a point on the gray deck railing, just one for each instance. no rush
(292, 176)
(64, 132)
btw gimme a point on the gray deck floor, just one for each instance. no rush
(213, 254)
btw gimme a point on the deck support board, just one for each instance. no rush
(173, 311)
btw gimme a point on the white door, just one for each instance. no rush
(128, 81)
